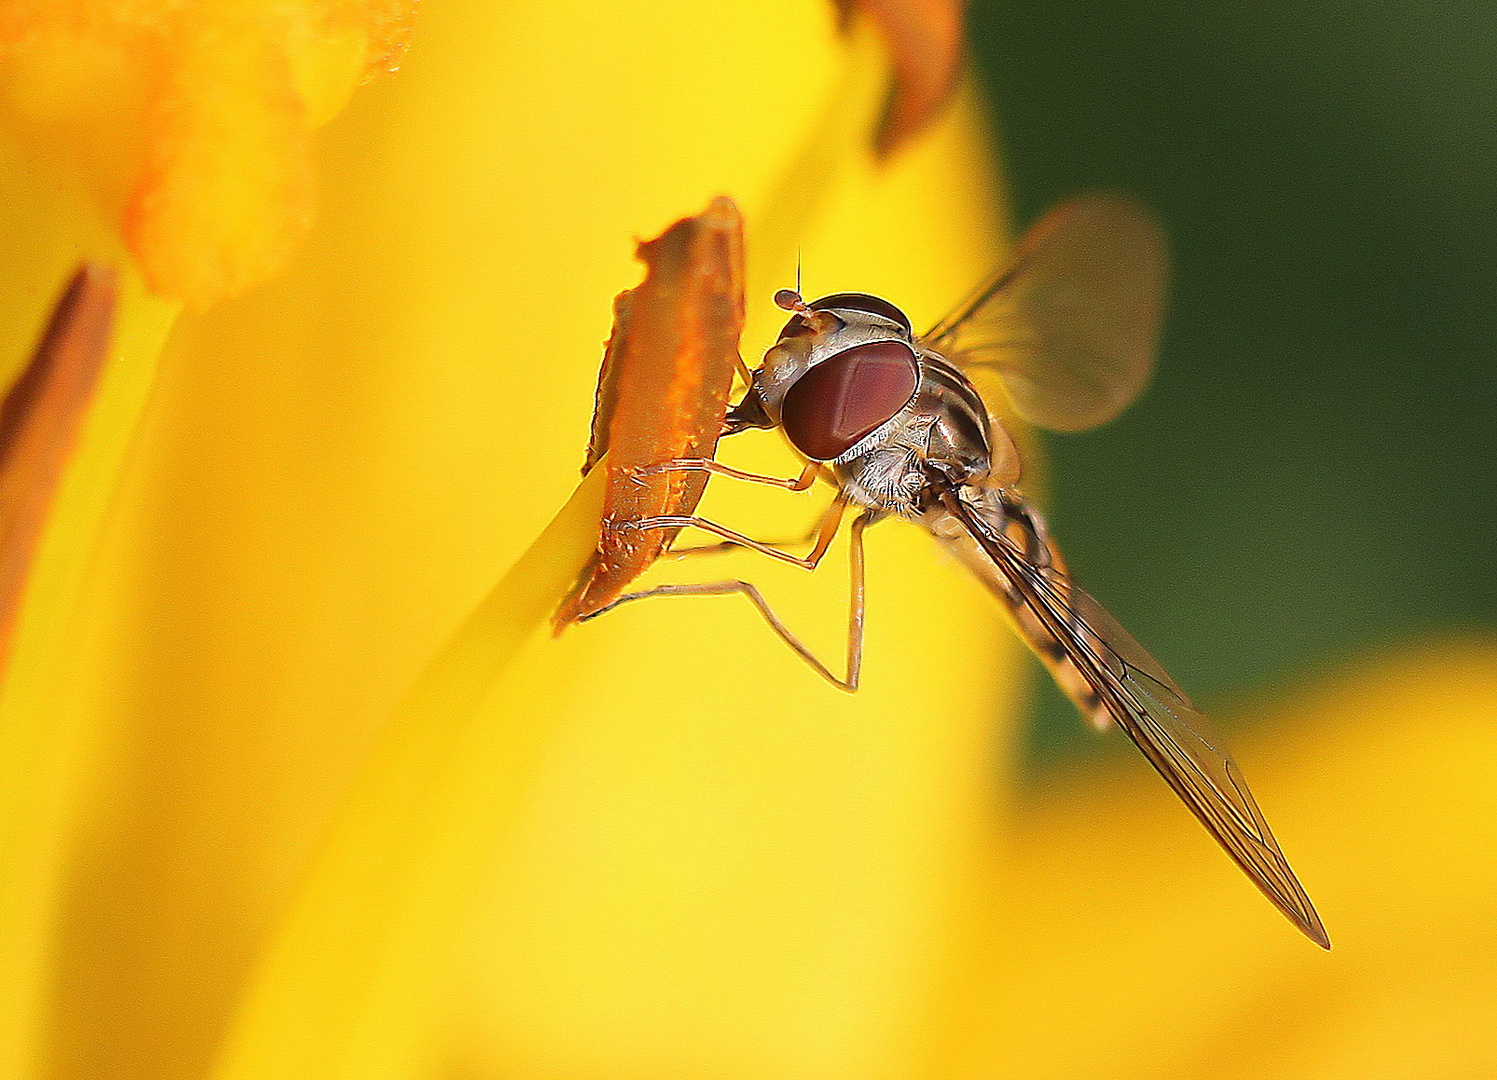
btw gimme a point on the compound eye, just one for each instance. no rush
(846, 396)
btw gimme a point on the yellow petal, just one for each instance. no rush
(90, 96)
(404, 844)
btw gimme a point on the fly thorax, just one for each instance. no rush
(887, 478)
(960, 437)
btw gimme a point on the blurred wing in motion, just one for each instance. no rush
(1072, 323)
(1147, 704)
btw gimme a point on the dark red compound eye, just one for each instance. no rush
(842, 399)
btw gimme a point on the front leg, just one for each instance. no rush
(856, 604)
(830, 522)
(715, 468)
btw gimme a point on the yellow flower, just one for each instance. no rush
(238, 843)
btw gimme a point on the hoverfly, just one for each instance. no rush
(894, 421)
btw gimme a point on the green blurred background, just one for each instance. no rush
(1313, 473)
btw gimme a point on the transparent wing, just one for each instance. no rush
(1147, 704)
(1072, 323)
(1180, 743)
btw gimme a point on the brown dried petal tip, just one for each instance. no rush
(924, 39)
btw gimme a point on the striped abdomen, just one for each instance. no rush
(1022, 528)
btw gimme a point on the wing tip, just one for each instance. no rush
(1297, 909)
(1311, 926)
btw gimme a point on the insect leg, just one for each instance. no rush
(855, 604)
(828, 529)
(707, 465)
(812, 536)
